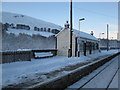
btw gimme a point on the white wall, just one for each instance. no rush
(63, 43)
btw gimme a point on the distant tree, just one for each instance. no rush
(3, 28)
(38, 29)
(28, 27)
(53, 31)
(56, 31)
(12, 25)
(15, 16)
(18, 26)
(48, 29)
(23, 26)
(44, 29)
(22, 15)
(0, 26)
(41, 29)
(6, 26)
(35, 28)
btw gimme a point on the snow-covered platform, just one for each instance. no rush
(104, 77)
(22, 74)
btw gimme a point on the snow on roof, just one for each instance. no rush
(27, 20)
(30, 32)
(83, 35)
(80, 34)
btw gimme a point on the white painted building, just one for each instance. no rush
(82, 43)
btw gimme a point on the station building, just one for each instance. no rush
(82, 43)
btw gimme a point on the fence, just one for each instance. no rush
(14, 56)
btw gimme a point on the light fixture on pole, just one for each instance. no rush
(78, 53)
(79, 22)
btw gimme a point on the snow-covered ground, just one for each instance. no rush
(18, 72)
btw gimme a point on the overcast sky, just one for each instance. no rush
(96, 14)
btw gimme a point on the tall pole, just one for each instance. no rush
(79, 25)
(70, 28)
(107, 37)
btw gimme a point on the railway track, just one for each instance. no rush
(109, 64)
(112, 79)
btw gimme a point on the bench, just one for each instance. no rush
(38, 55)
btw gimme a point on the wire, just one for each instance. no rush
(94, 12)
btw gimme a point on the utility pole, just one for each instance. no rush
(107, 37)
(70, 28)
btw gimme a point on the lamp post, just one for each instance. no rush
(79, 22)
(78, 45)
